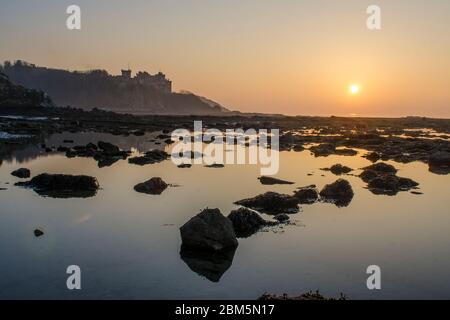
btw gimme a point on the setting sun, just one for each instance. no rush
(354, 89)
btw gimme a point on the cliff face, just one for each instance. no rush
(98, 89)
(12, 95)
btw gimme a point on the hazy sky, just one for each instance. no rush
(279, 56)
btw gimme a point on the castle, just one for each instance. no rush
(157, 81)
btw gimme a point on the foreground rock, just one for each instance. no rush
(307, 195)
(209, 230)
(153, 186)
(338, 169)
(339, 192)
(271, 181)
(306, 296)
(21, 173)
(209, 264)
(247, 222)
(63, 186)
(271, 203)
(439, 162)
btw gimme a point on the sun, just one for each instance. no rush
(354, 89)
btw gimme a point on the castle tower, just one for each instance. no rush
(126, 74)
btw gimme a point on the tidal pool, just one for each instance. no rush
(127, 244)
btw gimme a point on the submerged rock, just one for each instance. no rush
(271, 181)
(62, 185)
(272, 203)
(247, 222)
(209, 264)
(339, 192)
(153, 186)
(209, 230)
(21, 173)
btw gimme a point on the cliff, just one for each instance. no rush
(98, 89)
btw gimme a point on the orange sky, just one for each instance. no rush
(276, 56)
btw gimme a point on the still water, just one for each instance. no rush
(128, 244)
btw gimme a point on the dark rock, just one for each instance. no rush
(246, 222)
(150, 157)
(390, 184)
(62, 149)
(368, 175)
(185, 165)
(215, 165)
(21, 173)
(272, 203)
(313, 296)
(153, 186)
(108, 147)
(373, 156)
(439, 162)
(62, 186)
(307, 195)
(338, 169)
(339, 192)
(323, 150)
(210, 264)
(271, 181)
(38, 233)
(209, 230)
(282, 217)
(382, 168)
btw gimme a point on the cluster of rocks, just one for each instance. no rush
(150, 157)
(104, 153)
(381, 178)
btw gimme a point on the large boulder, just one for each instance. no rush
(209, 230)
(153, 186)
(271, 203)
(21, 173)
(62, 185)
(246, 222)
(307, 195)
(339, 192)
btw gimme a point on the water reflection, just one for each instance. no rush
(209, 264)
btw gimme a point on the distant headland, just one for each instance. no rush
(142, 93)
